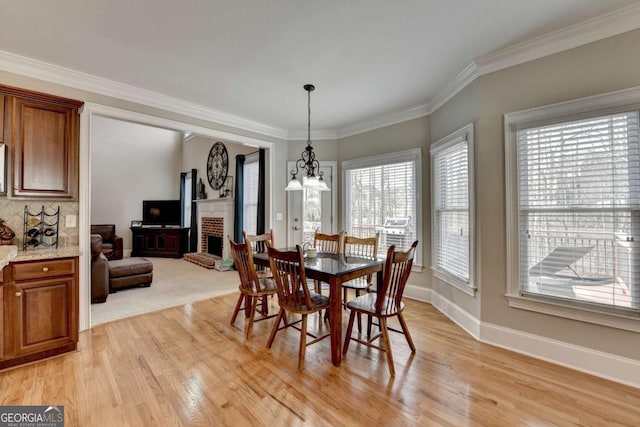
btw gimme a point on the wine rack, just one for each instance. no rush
(40, 229)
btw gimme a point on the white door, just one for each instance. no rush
(309, 210)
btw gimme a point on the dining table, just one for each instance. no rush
(334, 270)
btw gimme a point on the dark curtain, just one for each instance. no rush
(188, 196)
(238, 221)
(260, 225)
(193, 236)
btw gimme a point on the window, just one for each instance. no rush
(574, 191)
(452, 209)
(382, 195)
(250, 194)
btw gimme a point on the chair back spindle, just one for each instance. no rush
(259, 242)
(288, 271)
(397, 269)
(328, 243)
(363, 247)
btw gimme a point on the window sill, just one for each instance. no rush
(552, 308)
(467, 288)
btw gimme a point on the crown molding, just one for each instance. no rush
(189, 137)
(462, 80)
(598, 28)
(610, 24)
(383, 121)
(67, 77)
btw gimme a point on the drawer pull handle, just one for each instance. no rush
(45, 269)
(19, 293)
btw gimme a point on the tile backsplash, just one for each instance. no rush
(12, 213)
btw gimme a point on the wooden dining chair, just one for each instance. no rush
(294, 297)
(387, 302)
(259, 241)
(253, 289)
(326, 244)
(361, 247)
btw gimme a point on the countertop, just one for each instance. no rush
(36, 254)
(7, 254)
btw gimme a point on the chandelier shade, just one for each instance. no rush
(307, 165)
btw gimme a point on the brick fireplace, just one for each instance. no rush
(215, 218)
(211, 227)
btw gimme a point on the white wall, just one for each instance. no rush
(131, 163)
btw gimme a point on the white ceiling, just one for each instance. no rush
(250, 58)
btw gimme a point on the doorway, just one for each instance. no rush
(91, 114)
(309, 210)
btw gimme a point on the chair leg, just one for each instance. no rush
(369, 325)
(387, 345)
(237, 309)
(347, 338)
(359, 314)
(303, 342)
(407, 335)
(274, 330)
(249, 320)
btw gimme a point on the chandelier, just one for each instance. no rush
(307, 163)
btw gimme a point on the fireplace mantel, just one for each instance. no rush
(216, 208)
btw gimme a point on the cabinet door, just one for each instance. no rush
(44, 149)
(172, 242)
(44, 314)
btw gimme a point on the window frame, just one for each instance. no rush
(411, 155)
(464, 134)
(250, 159)
(583, 108)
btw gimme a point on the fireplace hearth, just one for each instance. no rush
(214, 245)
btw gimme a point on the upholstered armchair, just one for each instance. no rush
(111, 243)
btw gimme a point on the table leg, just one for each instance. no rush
(335, 310)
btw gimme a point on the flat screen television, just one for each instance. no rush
(161, 212)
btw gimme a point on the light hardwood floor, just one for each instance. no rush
(187, 366)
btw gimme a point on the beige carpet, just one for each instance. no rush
(175, 282)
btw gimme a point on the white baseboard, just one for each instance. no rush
(126, 253)
(459, 316)
(594, 362)
(604, 365)
(418, 293)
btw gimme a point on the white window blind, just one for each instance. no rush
(451, 204)
(579, 212)
(250, 195)
(381, 197)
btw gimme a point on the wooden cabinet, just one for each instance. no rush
(41, 132)
(166, 242)
(2, 97)
(40, 310)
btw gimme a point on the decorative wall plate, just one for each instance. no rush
(217, 165)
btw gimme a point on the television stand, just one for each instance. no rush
(163, 242)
